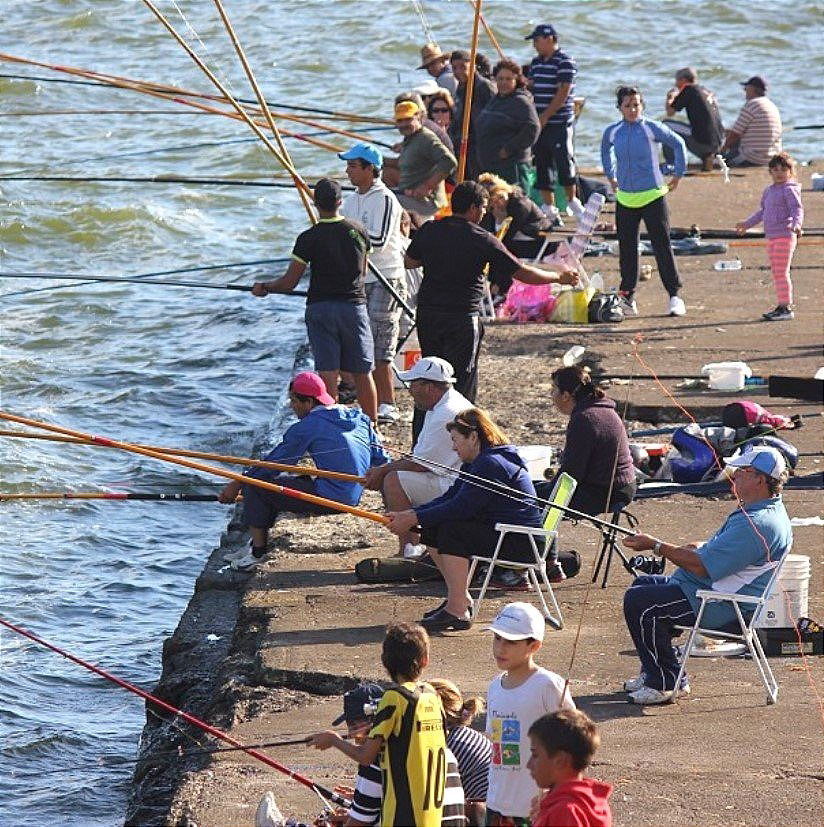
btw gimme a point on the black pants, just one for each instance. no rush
(697, 148)
(465, 538)
(457, 338)
(628, 227)
(261, 507)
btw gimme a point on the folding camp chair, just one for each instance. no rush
(746, 632)
(609, 544)
(561, 495)
(487, 304)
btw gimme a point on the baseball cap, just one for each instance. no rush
(542, 30)
(763, 458)
(310, 384)
(406, 109)
(363, 152)
(519, 621)
(327, 193)
(432, 368)
(756, 80)
(355, 700)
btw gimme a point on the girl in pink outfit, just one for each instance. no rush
(782, 214)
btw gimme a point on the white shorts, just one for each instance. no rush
(422, 486)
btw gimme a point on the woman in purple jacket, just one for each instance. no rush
(493, 487)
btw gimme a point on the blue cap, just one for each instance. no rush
(358, 703)
(363, 152)
(763, 458)
(542, 30)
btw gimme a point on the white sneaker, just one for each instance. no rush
(628, 306)
(576, 208)
(677, 306)
(235, 555)
(412, 551)
(246, 563)
(636, 683)
(553, 214)
(647, 696)
(388, 412)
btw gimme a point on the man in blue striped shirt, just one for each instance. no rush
(552, 81)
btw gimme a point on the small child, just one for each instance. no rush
(408, 734)
(515, 700)
(782, 214)
(562, 746)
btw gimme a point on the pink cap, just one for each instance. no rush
(310, 384)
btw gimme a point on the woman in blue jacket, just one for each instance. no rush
(629, 155)
(462, 521)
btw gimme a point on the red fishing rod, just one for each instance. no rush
(217, 733)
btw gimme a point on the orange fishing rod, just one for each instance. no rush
(199, 466)
(256, 463)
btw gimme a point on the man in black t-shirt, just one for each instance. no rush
(453, 253)
(705, 132)
(336, 318)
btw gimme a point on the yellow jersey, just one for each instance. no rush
(410, 720)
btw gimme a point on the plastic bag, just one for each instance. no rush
(528, 303)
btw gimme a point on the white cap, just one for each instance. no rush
(432, 368)
(519, 621)
(427, 87)
(763, 458)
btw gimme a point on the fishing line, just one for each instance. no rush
(427, 30)
(160, 179)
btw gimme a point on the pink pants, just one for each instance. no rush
(780, 253)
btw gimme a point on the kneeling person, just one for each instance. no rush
(335, 437)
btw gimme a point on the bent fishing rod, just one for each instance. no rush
(157, 179)
(153, 699)
(147, 496)
(199, 466)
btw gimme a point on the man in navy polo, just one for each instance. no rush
(552, 81)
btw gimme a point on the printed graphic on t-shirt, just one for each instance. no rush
(506, 742)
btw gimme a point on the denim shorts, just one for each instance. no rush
(340, 337)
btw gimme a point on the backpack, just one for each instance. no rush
(605, 308)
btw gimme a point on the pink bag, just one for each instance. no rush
(528, 303)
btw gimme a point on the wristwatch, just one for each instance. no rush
(656, 549)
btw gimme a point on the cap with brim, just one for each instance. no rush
(542, 30)
(757, 81)
(406, 109)
(310, 384)
(432, 368)
(763, 458)
(519, 621)
(428, 87)
(363, 152)
(354, 702)
(431, 52)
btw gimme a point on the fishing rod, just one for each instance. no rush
(111, 495)
(159, 87)
(122, 280)
(158, 179)
(199, 466)
(202, 268)
(217, 733)
(257, 463)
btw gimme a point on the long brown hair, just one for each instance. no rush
(474, 419)
(459, 711)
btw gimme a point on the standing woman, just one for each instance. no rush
(629, 155)
(493, 487)
(508, 127)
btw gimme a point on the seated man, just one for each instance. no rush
(335, 437)
(739, 558)
(406, 483)
(756, 134)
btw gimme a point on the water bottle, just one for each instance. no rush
(729, 264)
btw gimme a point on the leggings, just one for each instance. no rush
(628, 226)
(780, 253)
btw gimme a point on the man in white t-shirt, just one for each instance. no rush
(406, 483)
(375, 206)
(520, 695)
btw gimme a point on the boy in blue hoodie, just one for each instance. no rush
(335, 437)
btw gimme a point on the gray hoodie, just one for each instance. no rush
(510, 123)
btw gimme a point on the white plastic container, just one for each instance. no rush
(790, 600)
(406, 357)
(537, 458)
(817, 181)
(727, 376)
(728, 264)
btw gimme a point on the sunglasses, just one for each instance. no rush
(439, 109)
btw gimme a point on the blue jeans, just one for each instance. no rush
(652, 606)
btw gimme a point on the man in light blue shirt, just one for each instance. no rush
(739, 558)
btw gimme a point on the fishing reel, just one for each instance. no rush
(369, 709)
(647, 564)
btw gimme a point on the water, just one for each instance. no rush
(206, 369)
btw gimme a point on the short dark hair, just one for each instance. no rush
(782, 160)
(570, 731)
(405, 648)
(624, 92)
(576, 380)
(468, 194)
(688, 74)
(460, 54)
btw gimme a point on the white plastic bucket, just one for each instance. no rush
(537, 458)
(790, 600)
(727, 376)
(406, 357)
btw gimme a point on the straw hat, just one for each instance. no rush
(430, 52)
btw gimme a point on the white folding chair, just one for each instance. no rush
(562, 493)
(747, 633)
(487, 303)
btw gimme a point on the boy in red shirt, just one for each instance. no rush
(562, 746)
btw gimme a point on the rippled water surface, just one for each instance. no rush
(205, 369)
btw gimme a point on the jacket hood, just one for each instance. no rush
(604, 402)
(587, 794)
(507, 453)
(339, 416)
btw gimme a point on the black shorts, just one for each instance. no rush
(554, 157)
(464, 538)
